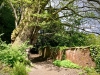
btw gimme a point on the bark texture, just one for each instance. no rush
(28, 28)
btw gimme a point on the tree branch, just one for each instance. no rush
(69, 25)
(15, 14)
(63, 7)
(97, 1)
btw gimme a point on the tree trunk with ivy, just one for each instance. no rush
(28, 28)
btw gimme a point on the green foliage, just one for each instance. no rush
(63, 47)
(9, 55)
(66, 64)
(3, 45)
(95, 53)
(93, 39)
(72, 39)
(20, 2)
(77, 39)
(90, 71)
(19, 69)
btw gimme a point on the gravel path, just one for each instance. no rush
(47, 68)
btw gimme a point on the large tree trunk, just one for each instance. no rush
(27, 30)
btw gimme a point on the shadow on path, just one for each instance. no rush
(35, 58)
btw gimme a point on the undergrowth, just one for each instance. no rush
(66, 64)
(13, 59)
(19, 69)
(95, 54)
(90, 71)
(9, 55)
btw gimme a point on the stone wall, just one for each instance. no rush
(77, 55)
(80, 56)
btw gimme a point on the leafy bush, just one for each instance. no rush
(3, 44)
(19, 69)
(66, 64)
(90, 71)
(95, 53)
(9, 55)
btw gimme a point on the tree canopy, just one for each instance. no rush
(58, 18)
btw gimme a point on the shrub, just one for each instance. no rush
(9, 55)
(95, 53)
(19, 69)
(66, 64)
(90, 71)
(3, 44)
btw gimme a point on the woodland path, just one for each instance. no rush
(45, 67)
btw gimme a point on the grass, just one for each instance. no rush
(19, 69)
(66, 64)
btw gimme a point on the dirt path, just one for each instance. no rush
(47, 68)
